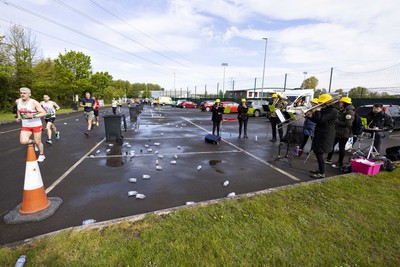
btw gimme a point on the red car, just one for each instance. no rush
(188, 104)
(232, 105)
(207, 105)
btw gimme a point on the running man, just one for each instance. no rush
(88, 105)
(50, 107)
(96, 111)
(29, 112)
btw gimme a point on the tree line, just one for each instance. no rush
(62, 78)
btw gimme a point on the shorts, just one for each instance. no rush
(52, 119)
(88, 115)
(96, 113)
(35, 129)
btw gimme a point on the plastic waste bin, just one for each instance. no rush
(112, 124)
(74, 106)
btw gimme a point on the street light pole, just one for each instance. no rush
(304, 79)
(265, 57)
(223, 81)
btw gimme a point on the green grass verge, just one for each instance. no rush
(350, 220)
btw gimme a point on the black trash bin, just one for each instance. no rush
(112, 124)
(74, 106)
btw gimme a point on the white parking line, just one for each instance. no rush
(62, 177)
(248, 153)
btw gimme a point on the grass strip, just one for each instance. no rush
(351, 220)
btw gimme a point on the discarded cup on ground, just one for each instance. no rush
(225, 183)
(178, 147)
(92, 156)
(156, 144)
(173, 162)
(140, 196)
(156, 152)
(199, 167)
(175, 156)
(110, 144)
(160, 156)
(65, 123)
(149, 150)
(132, 193)
(157, 161)
(146, 145)
(108, 150)
(128, 146)
(146, 176)
(88, 221)
(190, 202)
(158, 168)
(232, 194)
(132, 180)
(97, 151)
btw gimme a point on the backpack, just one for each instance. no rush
(358, 126)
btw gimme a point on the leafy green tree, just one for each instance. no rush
(358, 92)
(100, 81)
(74, 71)
(44, 81)
(310, 83)
(7, 92)
(319, 92)
(339, 91)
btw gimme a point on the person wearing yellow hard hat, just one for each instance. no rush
(243, 118)
(277, 103)
(324, 116)
(343, 127)
(217, 110)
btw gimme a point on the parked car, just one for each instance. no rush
(233, 106)
(392, 110)
(207, 105)
(164, 100)
(257, 106)
(178, 102)
(188, 104)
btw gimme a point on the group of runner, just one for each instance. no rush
(30, 112)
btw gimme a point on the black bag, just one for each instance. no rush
(212, 139)
(393, 153)
(346, 167)
(358, 126)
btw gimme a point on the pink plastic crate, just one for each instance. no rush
(367, 169)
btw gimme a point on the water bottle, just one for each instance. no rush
(21, 261)
(87, 222)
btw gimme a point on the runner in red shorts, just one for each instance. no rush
(29, 113)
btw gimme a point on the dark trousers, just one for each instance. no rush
(342, 151)
(321, 162)
(274, 122)
(241, 124)
(114, 110)
(216, 125)
(378, 141)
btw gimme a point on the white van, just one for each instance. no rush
(165, 100)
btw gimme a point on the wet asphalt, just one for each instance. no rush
(91, 175)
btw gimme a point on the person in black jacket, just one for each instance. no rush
(343, 130)
(243, 118)
(216, 118)
(377, 119)
(325, 117)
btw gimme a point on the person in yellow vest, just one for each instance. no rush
(279, 103)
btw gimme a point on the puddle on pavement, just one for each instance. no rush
(115, 161)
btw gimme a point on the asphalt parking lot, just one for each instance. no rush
(92, 177)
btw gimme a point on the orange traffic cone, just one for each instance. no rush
(34, 198)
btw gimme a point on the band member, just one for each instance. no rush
(343, 130)
(216, 118)
(325, 117)
(243, 118)
(279, 103)
(308, 126)
(381, 122)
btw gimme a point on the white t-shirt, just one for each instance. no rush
(27, 108)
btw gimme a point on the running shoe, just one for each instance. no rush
(337, 165)
(57, 135)
(318, 175)
(49, 141)
(41, 158)
(328, 161)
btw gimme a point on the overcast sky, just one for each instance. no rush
(183, 43)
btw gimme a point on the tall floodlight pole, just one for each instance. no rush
(304, 79)
(265, 57)
(223, 81)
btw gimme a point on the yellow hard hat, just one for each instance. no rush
(217, 101)
(243, 100)
(345, 99)
(274, 95)
(324, 98)
(314, 100)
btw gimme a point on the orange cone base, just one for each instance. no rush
(34, 201)
(15, 216)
